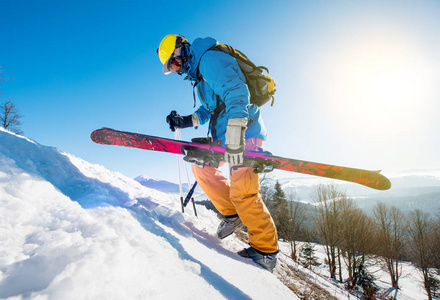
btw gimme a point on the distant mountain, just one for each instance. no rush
(418, 189)
(410, 190)
(170, 187)
(160, 185)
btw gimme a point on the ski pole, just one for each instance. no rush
(176, 134)
(190, 193)
(189, 196)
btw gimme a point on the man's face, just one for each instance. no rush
(176, 62)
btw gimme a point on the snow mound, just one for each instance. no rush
(73, 230)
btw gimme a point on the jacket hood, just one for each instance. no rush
(197, 49)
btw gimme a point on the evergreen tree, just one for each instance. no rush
(280, 211)
(363, 280)
(308, 257)
(279, 197)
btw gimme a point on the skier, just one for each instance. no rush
(224, 99)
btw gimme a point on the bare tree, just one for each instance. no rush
(297, 218)
(328, 220)
(420, 230)
(391, 227)
(356, 243)
(266, 190)
(435, 246)
(436, 242)
(10, 117)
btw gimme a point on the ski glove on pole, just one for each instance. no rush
(177, 121)
(234, 152)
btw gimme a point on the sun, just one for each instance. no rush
(378, 88)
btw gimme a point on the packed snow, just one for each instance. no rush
(73, 230)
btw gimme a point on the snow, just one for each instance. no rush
(410, 282)
(74, 230)
(70, 229)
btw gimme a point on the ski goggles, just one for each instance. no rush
(173, 64)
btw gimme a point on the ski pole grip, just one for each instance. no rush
(170, 120)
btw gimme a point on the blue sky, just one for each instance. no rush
(358, 82)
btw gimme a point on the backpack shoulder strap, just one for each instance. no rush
(218, 47)
(243, 61)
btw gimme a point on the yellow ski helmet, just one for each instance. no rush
(168, 45)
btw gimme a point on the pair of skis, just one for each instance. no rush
(202, 152)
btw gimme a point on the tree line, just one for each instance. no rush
(354, 239)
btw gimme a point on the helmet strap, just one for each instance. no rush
(184, 55)
(185, 52)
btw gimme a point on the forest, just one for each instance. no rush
(354, 239)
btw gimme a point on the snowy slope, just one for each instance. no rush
(73, 230)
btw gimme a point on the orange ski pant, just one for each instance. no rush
(241, 195)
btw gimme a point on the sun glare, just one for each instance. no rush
(379, 86)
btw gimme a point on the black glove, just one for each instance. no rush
(177, 121)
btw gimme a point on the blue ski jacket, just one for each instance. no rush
(221, 82)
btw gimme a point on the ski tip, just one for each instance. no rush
(97, 137)
(93, 136)
(101, 129)
(384, 184)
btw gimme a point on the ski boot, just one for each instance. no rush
(229, 225)
(267, 260)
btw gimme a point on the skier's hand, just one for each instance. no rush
(234, 152)
(177, 121)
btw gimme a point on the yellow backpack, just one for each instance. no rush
(261, 87)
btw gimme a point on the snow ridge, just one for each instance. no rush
(73, 230)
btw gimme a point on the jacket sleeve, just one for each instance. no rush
(222, 73)
(204, 114)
